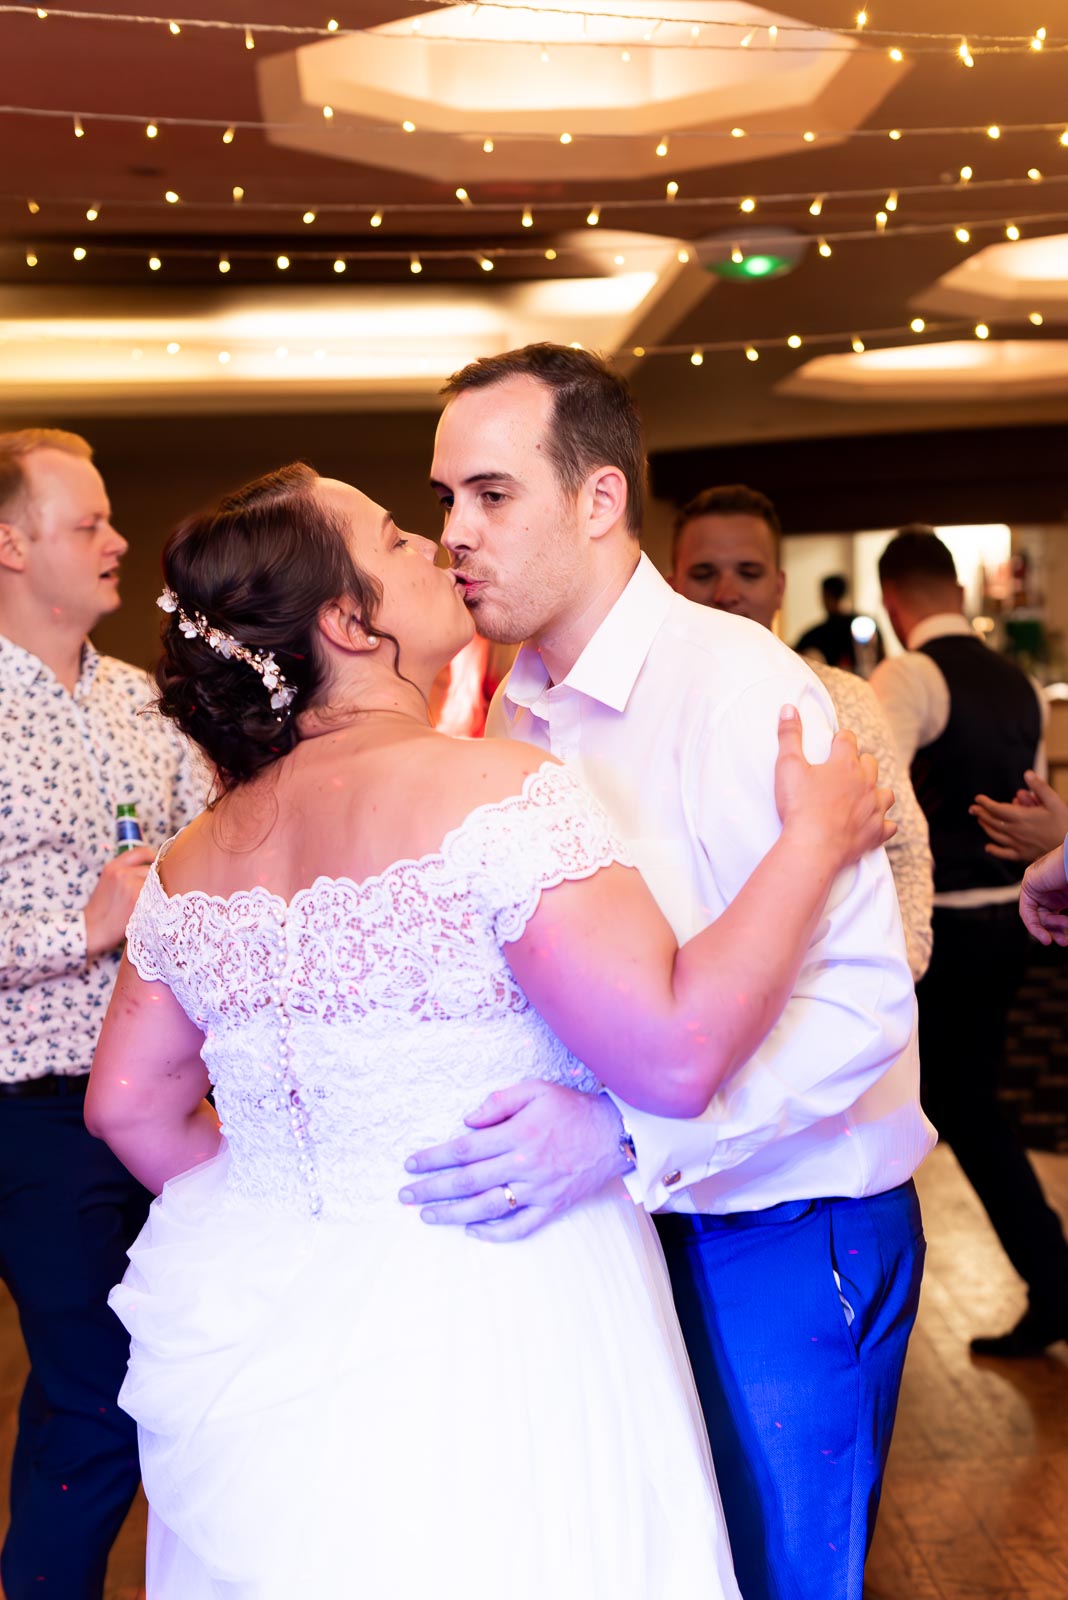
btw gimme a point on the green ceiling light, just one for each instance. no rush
(752, 255)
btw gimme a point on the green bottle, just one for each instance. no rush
(128, 833)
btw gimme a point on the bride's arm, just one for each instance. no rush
(663, 1026)
(146, 1090)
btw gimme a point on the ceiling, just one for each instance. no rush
(92, 334)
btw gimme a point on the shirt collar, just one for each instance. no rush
(608, 667)
(936, 627)
(23, 667)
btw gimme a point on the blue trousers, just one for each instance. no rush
(68, 1211)
(799, 1395)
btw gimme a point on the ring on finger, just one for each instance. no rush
(509, 1195)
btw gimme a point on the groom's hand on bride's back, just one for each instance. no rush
(532, 1151)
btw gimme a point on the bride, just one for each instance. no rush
(374, 926)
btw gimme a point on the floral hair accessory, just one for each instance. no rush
(224, 644)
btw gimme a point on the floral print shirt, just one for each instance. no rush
(66, 761)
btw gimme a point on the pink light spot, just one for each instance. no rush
(778, 1424)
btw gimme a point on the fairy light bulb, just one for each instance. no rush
(752, 353)
(151, 131)
(917, 324)
(250, 43)
(808, 136)
(862, 19)
(593, 217)
(773, 33)
(340, 265)
(228, 136)
(224, 265)
(816, 206)
(528, 219)
(857, 346)
(282, 263)
(79, 252)
(333, 25)
(965, 53)
(308, 218)
(794, 341)
(238, 194)
(487, 147)
(32, 207)
(485, 263)
(328, 113)
(415, 265)
(881, 219)
(639, 351)
(31, 258)
(747, 39)
(1035, 318)
(79, 131)
(1034, 174)
(896, 54)
(550, 254)
(748, 204)
(961, 235)
(890, 203)
(681, 256)
(662, 148)
(154, 263)
(173, 348)
(408, 125)
(174, 29)
(982, 331)
(824, 248)
(966, 174)
(1012, 231)
(92, 213)
(376, 219)
(172, 197)
(737, 133)
(894, 134)
(737, 254)
(697, 359)
(1064, 137)
(671, 190)
(224, 358)
(565, 138)
(463, 197)
(993, 132)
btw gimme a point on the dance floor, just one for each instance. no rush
(976, 1500)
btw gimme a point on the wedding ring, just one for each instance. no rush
(509, 1196)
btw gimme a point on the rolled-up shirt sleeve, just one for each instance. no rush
(852, 1011)
(35, 945)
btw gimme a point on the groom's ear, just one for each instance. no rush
(607, 491)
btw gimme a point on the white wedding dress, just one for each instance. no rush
(335, 1400)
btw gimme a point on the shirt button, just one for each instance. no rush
(671, 1178)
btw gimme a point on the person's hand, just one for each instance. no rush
(837, 806)
(1044, 899)
(1035, 821)
(111, 903)
(550, 1145)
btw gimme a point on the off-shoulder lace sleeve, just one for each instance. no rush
(532, 841)
(143, 930)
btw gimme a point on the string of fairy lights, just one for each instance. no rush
(701, 33)
(657, 32)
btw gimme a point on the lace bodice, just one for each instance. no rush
(357, 1022)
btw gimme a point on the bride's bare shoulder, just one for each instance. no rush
(480, 771)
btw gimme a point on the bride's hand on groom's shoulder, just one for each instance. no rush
(531, 1152)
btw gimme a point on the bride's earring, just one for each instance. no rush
(372, 638)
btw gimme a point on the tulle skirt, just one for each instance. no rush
(394, 1411)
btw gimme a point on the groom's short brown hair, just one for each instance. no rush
(594, 420)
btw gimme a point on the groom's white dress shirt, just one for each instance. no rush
(671, 716)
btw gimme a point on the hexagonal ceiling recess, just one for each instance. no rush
(479, 71)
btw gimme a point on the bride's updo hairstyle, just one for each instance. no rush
(260, 568)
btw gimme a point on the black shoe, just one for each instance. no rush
(1032, 1336)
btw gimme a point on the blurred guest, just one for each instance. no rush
(969, 723)
(73, 746)
(727, 554)
(834, 640)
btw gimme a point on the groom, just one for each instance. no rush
(787, 1211)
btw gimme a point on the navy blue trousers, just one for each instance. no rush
(799, 1401)
(68, 1212)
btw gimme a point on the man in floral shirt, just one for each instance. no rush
(75, 740)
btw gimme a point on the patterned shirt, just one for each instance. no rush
(66, 761)
(909, 851)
